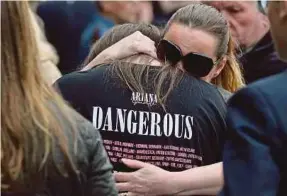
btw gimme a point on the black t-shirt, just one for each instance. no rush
(190, 133)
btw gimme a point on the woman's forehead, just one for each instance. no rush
(192, 40)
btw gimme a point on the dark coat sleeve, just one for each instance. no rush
(249, 165)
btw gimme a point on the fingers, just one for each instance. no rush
(147, 46)
(133, 194)
(123, 177)
(130, 194)
(144, 44)
(124, 187)
(152, 52)
(135, 164)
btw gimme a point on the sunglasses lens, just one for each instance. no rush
(168, 52)
(197, 65)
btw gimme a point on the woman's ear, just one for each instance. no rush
(219, 67)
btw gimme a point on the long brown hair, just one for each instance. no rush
(207, 18)
(30, 127)
(230, 78)
(136, 76)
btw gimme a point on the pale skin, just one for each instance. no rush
(152, 180)
(195, 40)
(149, 179)
(247, 24)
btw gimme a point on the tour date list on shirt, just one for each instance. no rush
(159, 155)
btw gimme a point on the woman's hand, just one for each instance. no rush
(133, 44)
(151, 180)
(147, 180)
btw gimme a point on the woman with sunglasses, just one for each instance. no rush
(221, 68)
(170, 71)
(138, 43)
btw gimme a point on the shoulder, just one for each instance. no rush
(77, 129)
(192, 84)
(272, 88)
(262, 104)
(200, 96)
(225, 94)
(80, 80)
(268, 87)
(75, 121)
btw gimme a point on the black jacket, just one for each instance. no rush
(255, 161)
(262, 61)
(95, 171)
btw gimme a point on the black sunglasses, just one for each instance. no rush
(196, 64)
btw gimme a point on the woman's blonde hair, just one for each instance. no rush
(30, 108)
(230, 77)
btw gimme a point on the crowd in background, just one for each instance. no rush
(72, 26)
(78, 42)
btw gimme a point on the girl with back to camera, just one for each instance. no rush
(162, 109)
(204, 180)
(46, 147)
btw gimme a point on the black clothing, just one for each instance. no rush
(262, 61)
(255, 161)
(134, 125)
(95, 177)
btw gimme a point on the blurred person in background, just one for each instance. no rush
(64, 22)
(255, 161)
(44, 143)
(163, 10)
(48, 56)
(146, 14)
(111, 13)
(250, 27)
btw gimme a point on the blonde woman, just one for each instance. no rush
(226, 75)
(46, 147)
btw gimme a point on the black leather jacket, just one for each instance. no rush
(95, 171)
